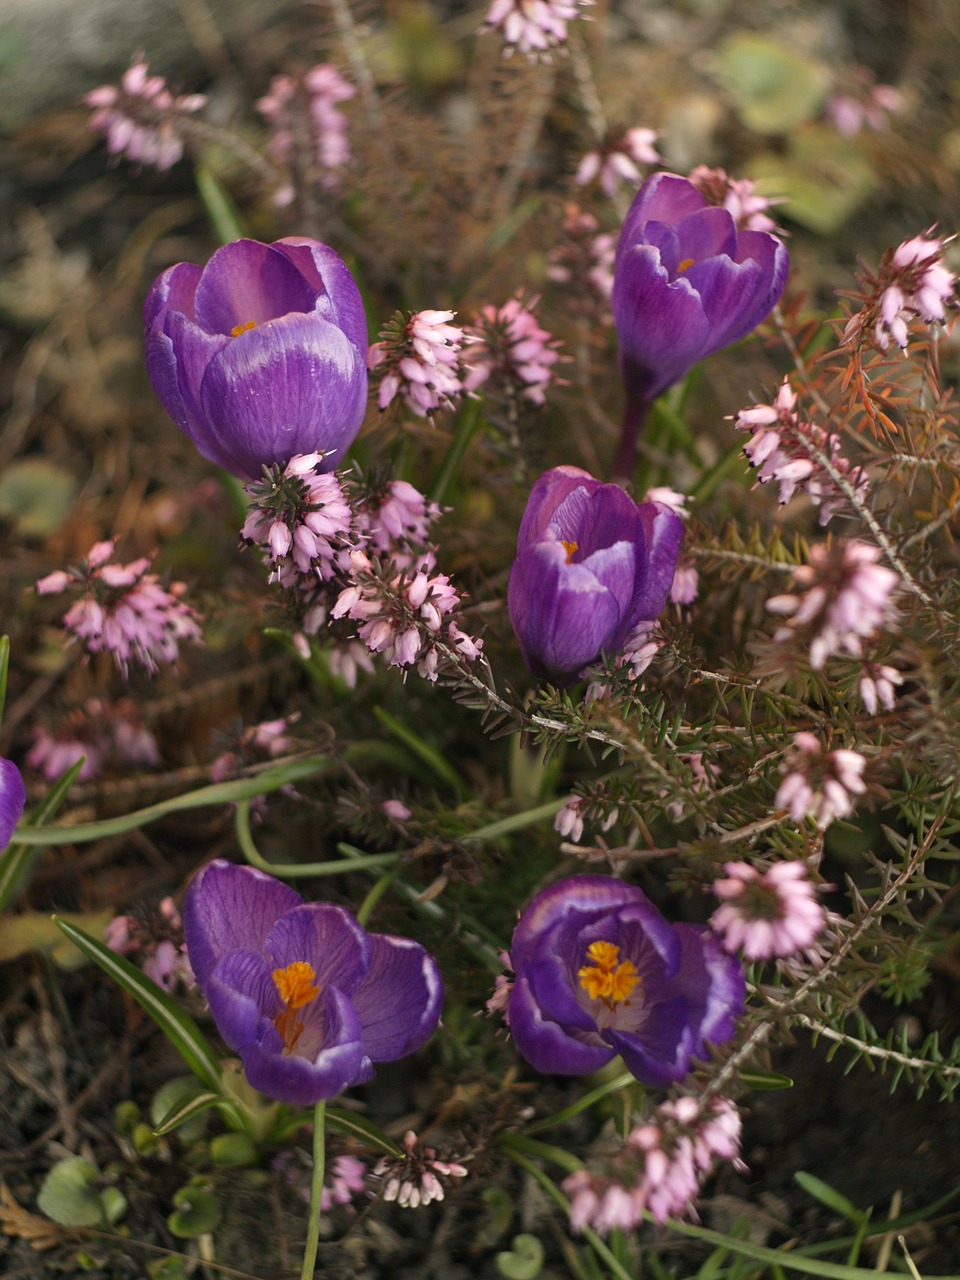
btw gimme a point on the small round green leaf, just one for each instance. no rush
(196, 1212)
(524, 1261)
(68, 1194)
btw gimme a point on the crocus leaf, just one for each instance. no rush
(182, 1104)
(826, 1195)
(68, 1195)
(364, 1130)
(182, 1032)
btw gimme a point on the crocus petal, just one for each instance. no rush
(663, 530)
(325, 936)
(661, 1052)
(13, 798)
(546, 1045)
(399, 1001)
(547, 496)
(241, 992)
(230, 908)
(248, 282)
(338, 298)
(711, 982)
(294, 385)
(305, 1081)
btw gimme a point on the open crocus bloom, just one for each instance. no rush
(261, 354)
(306, 997)
(591, 564)
(13, 798)
(600, 972)
(686, 283)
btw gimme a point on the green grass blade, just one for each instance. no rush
(180, 1029)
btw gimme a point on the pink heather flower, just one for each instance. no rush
(618, 160)
(404, 616)
(878, 687)
(396, 810)
(139, 119)
(913, 284)
(866, 103)
(502, 988)
(154, 940)
(686, 584)
(396, 519)
(738, 197)
(301, 520)
(348, 659)
(583, 258)
(124, 609)
(783, 447)
(418, 1176)
(105, 733)
(347, 1178)
(660, 1167)
(848, 597)
(264, 741)
(817, 784)
(52, 756)
(569, 821)
(317, 94)
(767, 913)
(419, 359)
(513, 349)
(534, 27)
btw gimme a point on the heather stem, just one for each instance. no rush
(316, 1194)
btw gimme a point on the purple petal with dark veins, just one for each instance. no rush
(399, 1001)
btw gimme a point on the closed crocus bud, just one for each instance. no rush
(261, 354)
(686, 283)
(591, 563)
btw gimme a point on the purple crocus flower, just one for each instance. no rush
(686, 283)
(600, 972)
(261, 354)
(306, 997)
(591, 564)
(13, 798)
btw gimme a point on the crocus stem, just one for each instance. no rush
(316, 1194)
(634, 417)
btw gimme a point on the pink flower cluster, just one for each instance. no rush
(155, 941)
(124, 609)
(878, 686)
(866, 103)
(264, 741)
(140, 117)
(404, 616)
(302, 521)
(318, 93)
(738, 196)
(818, 784)
(419, 359)
(783, 447)
(583, 258)
(660, 1168)
(534, 27)
(848, 596)
(578, 809)
(347, 1178)
(512, 349)
(418, 1176)
(619, 160)
(342, 553)
(767, 913)
(913, 284)
(102, 732)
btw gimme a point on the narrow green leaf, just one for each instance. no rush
(186, 1110)
(828, 1196)
(223, 213)
(364, 1130)
(468, 423)
(180, 1029)
(765, 1080)
(423, 750)
(221, 793)
(4, 667)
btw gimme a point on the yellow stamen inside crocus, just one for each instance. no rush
(608, 978)
(296, 986)
(685, 265)
(237, 329)
(570, 548)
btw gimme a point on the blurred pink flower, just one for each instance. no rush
(767, 913)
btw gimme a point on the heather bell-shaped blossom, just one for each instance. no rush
(686, 283)
(591, 565)
(306, 997)
(600, 972)
(261, 354)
